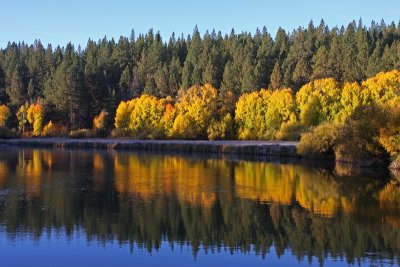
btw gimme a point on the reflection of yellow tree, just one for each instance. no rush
(98, 170)
(196, 183)
(320, 195)
(389, 202)
(191, 181)
(269, 182)
(3, 173)
(265, 182)
(30, 167)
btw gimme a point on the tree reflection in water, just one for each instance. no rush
(240, 205)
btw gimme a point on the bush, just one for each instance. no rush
(216, 130)
(83, 133)
(359, 139)
(52, 130)
(290, 131)
(48, 129)
(99, 121)
(352, 145)
(319, 141)
(6, 133)
(118, 132)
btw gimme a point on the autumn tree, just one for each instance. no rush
(250, 115)
(146, 117)
(319, 99)
(22, 116)
(35, 117)
(196, 107)
(5, 113)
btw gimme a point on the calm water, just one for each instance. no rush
(88, 208)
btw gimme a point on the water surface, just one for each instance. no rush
(101, 208)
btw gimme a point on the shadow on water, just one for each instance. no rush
(307, 209)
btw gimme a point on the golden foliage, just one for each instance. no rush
(99, 121)
(123, 114)
(382, 87)
(5, 113)
(142, 117)
(250, 115)
(146, 117)
(49, 129)
(389, 136)
(35, 117)
(195, 109)
(259, 115)
(319, 99)
(22, 116)
(169, 118)
(351, 98)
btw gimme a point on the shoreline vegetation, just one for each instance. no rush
(335, 91)
(273, 149)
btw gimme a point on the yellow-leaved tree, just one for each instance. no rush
(4, 115)
(259, 115)
(22, 116)
(389, 136)
(281, 109)
(351, 98)
(319, 99)
(123, 114)
(382, 87)
(168, 119)
(250, 115)
(195, 109)
(146, 117)
(35, 117)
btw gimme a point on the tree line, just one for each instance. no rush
(75, 84)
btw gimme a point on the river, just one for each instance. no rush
(75, 207)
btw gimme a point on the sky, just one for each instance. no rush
(60, 22)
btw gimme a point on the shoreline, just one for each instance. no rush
(281, 149)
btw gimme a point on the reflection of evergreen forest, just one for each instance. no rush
(240, 205)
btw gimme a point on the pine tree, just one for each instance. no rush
(276, 76)
(125, 84)
(320, 64)
(230, 81)
(16, 89)
(174, 79)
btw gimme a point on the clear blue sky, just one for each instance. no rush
(58, 22)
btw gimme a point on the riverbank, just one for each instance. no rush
(282, 149)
